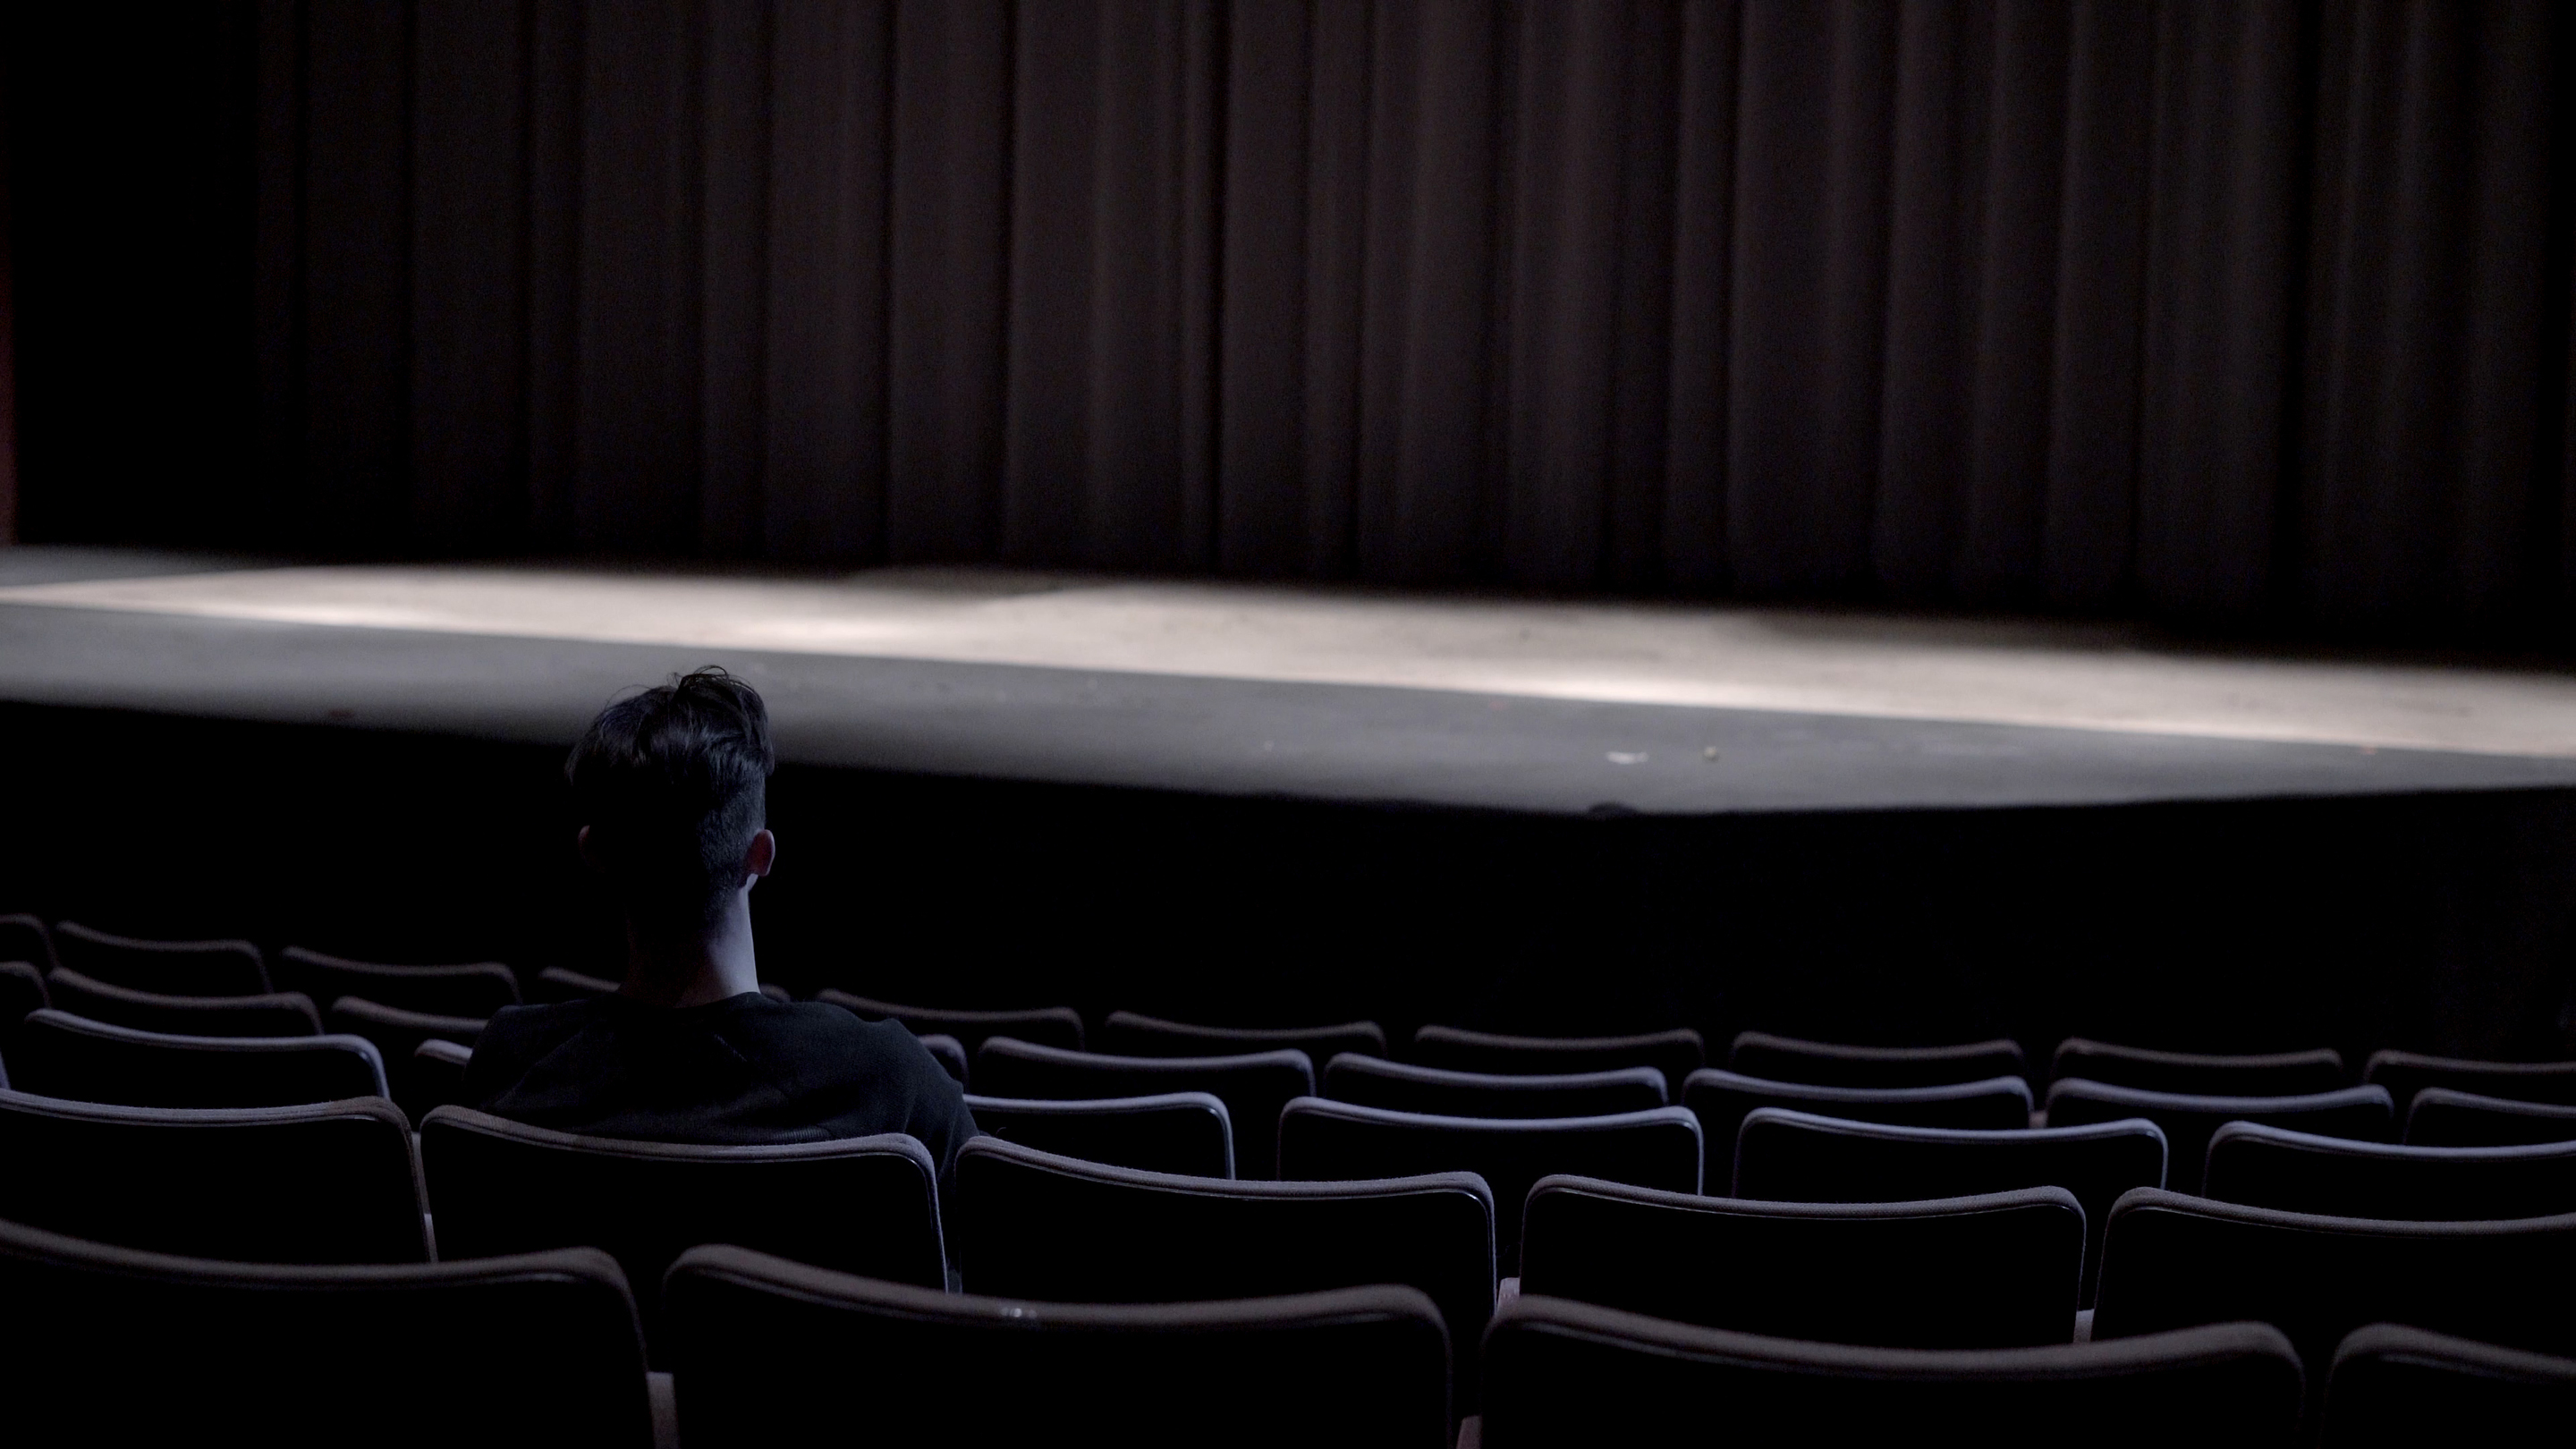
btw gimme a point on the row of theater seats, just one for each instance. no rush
(2037, 1206)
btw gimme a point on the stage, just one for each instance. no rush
(1013, 784)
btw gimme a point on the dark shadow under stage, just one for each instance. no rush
(1297, 839)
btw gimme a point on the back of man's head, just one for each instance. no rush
(672, 785)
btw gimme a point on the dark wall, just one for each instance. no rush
(2220, 309)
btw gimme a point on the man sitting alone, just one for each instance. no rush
(672, 784)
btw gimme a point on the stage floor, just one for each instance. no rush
(1506, 703)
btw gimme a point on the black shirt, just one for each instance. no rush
(742, 1070)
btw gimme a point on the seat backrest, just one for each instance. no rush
(1833, 1064)
(133, 1347)
(2169, 1260)
(1720, 1099)
(949, 1052)
(1253, 1085)
(438, 1075)
(475, 990)
(1676, 1053)
(2401, 1388)
(556, 983)
(1328, 1141)
(1404, 1087)
(2301, 1172)
(2406, 1073)
(1785, 1156)
(22, 990)
(1178, 1132)
(865, 1204)
(1558, 1372)
(1128, 1033)
(2441, 1117)
(1054, 1026)
(169, 968)
(396, 1034)
(763, 1350)
(58, 1054)
(2361, 1113)
(279, 1013)
(24, 938)
(1033, 1225)
(335, 1182)
(2276, 1074)
(1994, 1271)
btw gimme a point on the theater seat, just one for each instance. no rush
(1786, 1156)
(2299, 1172)
(1253, 1086)
(1128, 1033)
(168, 968)
(279, 1013)
(2169, 1260)
(107, 1345)
(331, 1183)
(22, 990)
(438, 1075)
(2279, 1074)
(862, 1203)
(474, 991)
(1994, 1271)
(555, 984)
(24, 938)
(2406, 1073)
(764, 1350)
(1178, 1132)
(1034, 1225)
(2361, 1113)
(949, 1052)
(1404, 1087)
(2393, 1387)
(1832, 1064)
(396, 1034)
(1325, 1141)
(1052, 1026)
(1562, 1373)
(58, 1054)
(1720, 1100)
(2440, 1117)
(1676, 1053)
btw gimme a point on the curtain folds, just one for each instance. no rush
(2230, 310)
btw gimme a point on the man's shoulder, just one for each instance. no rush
(822, 1022)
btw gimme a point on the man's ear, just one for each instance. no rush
(762, 855)
(589, 852)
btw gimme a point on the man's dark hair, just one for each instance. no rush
(673, 783)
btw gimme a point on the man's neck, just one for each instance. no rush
(697, 968)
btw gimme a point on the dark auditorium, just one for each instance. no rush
(1289, 724)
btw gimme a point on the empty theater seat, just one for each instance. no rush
(1560, 1373)
(1831, 1064)
(1052, 1026)
(279, 1013)
(438, 1076)
(1404, 1087)
(866, 1204)
(22, 990)
(1676, 1053)
(2357, 1112)
(1320, 1140)
(2277, 1074)
(57, 1054)
(2277, 1168)
(949, 1052)
(1720, 1100)
(330, 1183)
(2440, 1117)
(1254, 1086)
(1788, 1156)
(1033, 1225)
(2169, 1260)
(555, 983)
(169, 968)
(2393, 1387)
(396, 1034)
(1993, 1271)
(1187, 1133)
(1127, 1033)
(24, 938)
(474, 991)
(763, 1350)
(107, 1345)
(2406, 1073)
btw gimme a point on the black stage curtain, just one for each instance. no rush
(2221, 309)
